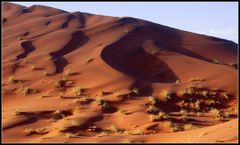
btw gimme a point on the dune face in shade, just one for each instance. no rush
(79, 77)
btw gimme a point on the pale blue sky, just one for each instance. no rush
(218, 19)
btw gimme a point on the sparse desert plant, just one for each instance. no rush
(204, 93)
(188, 126)
(197, 105)
(11, 80)
(135, 90)
(76, 123)
(114, 128)
(217, 113)
(82, 100)
(225, 95)
(153, 100)
(177, 81)
(104, 105)
(166, 95)
(26, 91)
(168, 123)
(210, 102)
(102, 133)
(175, 127)
(162, 115)
(184, 114)
(183, 111)
(58, 114)
(190, 91)
(59, 84)
(31, 131)
(78, 91)
(152, 109)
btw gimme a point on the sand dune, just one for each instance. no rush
(80, 77)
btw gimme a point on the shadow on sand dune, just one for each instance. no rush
(78, 40)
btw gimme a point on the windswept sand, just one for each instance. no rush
(79, 77)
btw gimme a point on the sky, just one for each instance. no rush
(219, 19)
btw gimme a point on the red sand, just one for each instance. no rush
(79, 77)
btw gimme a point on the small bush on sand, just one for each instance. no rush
(114, 128)
(153, 100)
(188, 126)
(78, 91)
(175, 127)
(31, 131)
(136, 91)
(153, 109)
(166, 95)
(104, 105)
(58, 114)
(27, 91)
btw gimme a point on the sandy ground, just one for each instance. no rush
(79, 77)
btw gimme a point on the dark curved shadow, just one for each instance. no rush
(28, 47)
(70, 17)
(78, 40)
(75, 15)
(24, 122)
(128, 56)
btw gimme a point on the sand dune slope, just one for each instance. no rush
(79, 77)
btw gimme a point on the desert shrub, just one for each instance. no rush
(153, 109)
(225, 95)
(197, 105)
(11, 80)
(59, 84)
(175, 127)
(204, 93)
(136, 91)
(58, 114)
(114, 128)
(166, 95)
(31, 131)
(76, 123)
(104, 105)
(78, 91)
(184, 114)
(153, 100)
(188, 126)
